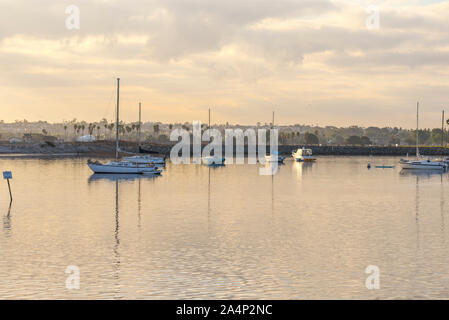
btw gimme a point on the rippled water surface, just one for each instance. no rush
(198, 232)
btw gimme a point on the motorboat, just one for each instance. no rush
(303, 154)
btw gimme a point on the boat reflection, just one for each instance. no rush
(421, 173)
(302, 168)
(121, 177)
(7, 221)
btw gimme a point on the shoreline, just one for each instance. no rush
(107, 149)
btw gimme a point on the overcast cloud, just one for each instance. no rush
(311, 61)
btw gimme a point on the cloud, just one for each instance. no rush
(244, 56)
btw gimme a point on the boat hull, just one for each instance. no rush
(279, 159)
(422, 166)
(213, 161)
(102, 168)
(305, 159)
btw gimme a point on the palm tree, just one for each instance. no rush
(111, 127)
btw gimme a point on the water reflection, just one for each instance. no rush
(247, 251)
(421, 173)
(139, 205)
(118, 177)
(117, 242)
(7, 221)
(302, 168)
(417, 210)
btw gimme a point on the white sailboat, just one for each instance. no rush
(144, 159)
(421, 164)
(274, 156)
(213, 160)
(120, 166)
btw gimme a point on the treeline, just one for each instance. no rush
(288, 135)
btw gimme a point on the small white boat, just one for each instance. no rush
(422, 164)
(303, 154)
(419, 163)
(122, 167)
(274, 157)
(210, 161)
(146, 159)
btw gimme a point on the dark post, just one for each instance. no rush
(10, 194)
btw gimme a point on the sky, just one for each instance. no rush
(316, 62)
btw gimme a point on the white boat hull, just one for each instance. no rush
(305, 158)
(274, 158)
(107, 168)
(422, 165)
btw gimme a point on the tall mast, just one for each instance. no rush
(442, 130)
(273, 120)
(117, 120)
(209, 119)
(417, 135)
(140, 123)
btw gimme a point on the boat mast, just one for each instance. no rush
(417, 136)
(117, 120)
(140, 123)
(209, 119)
(442, 130)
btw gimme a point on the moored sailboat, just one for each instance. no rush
(120, 166)
(421, 164)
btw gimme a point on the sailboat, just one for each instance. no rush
(145, 159)
(421, 164)
(213, 160)
(118, 166)
(274, 156)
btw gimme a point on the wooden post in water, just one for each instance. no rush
(10, 194)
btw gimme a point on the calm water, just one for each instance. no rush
(197, 232)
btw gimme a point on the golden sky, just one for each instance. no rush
(312, 61)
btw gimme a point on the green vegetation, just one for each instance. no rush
(288, 135)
